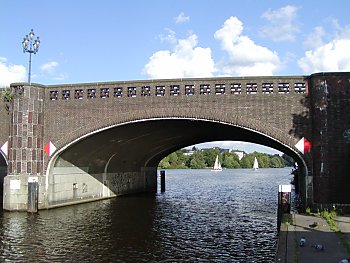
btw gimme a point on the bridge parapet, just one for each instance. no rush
(80, 109)
(180, 87)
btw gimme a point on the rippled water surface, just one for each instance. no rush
(227, 216)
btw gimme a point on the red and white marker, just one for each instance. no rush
(303, 145)
(49, 148)
(5, 148)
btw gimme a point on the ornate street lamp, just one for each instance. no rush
(31, 46)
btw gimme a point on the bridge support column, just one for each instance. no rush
(330, 109)
(25, 151)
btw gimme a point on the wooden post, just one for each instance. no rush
(162, 181)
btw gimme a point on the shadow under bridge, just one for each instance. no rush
(133, 146)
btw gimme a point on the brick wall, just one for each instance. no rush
(275, 114)
(330, 106)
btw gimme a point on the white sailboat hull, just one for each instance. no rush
(256, 164)
(217, 165)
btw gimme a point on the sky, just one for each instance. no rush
(96, 41)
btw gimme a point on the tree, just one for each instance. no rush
(197, 160)
(164, 163)
(288, 161)
(230, 160)
(276, 162)
(246, 161)
(210, 156)
(206, 157)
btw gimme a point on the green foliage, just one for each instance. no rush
(276, 162)
(308, 210)
(205, 158)
(197, 160)
(8, 97)
(288, 161)
(329, 216)
(7, 94)
(247, 161)
(230, 160)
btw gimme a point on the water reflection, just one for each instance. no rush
(223, 217)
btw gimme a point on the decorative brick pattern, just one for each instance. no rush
(26, 133)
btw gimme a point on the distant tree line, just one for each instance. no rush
(205, 158)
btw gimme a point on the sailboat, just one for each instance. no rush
(256, 164)
(217, 165)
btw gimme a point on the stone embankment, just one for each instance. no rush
(308, 238)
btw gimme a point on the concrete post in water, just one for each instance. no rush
(33, 194)
(284, 203)
(162, 181)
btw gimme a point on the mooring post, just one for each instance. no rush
(33, 194)
(162, 181)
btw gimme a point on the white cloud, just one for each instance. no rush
(332, 56)
(244, 56)
(186, 60)
(11, 73)
(282, 23)
(181, 18)
(170, 36)
(315, 39)
(49, 67)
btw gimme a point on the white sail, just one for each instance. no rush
(217, 165)
(256, 164)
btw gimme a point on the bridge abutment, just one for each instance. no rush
(330, 111)
(25, 151)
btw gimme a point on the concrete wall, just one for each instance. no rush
(72, 185)
(16, 192)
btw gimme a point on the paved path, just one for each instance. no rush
(315, 230)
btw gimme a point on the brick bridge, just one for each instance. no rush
(82, 142)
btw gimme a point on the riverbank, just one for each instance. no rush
(315, 231)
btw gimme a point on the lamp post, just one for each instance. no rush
(31, 46)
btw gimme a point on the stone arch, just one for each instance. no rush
(113, 155)
(250, 125)
(215, 115)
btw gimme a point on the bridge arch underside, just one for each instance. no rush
(145, 143)
(124, 159)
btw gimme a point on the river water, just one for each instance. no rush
(203, 216)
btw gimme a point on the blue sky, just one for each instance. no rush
(94, 41)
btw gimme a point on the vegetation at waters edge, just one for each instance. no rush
(330, 217)
(205, 158)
